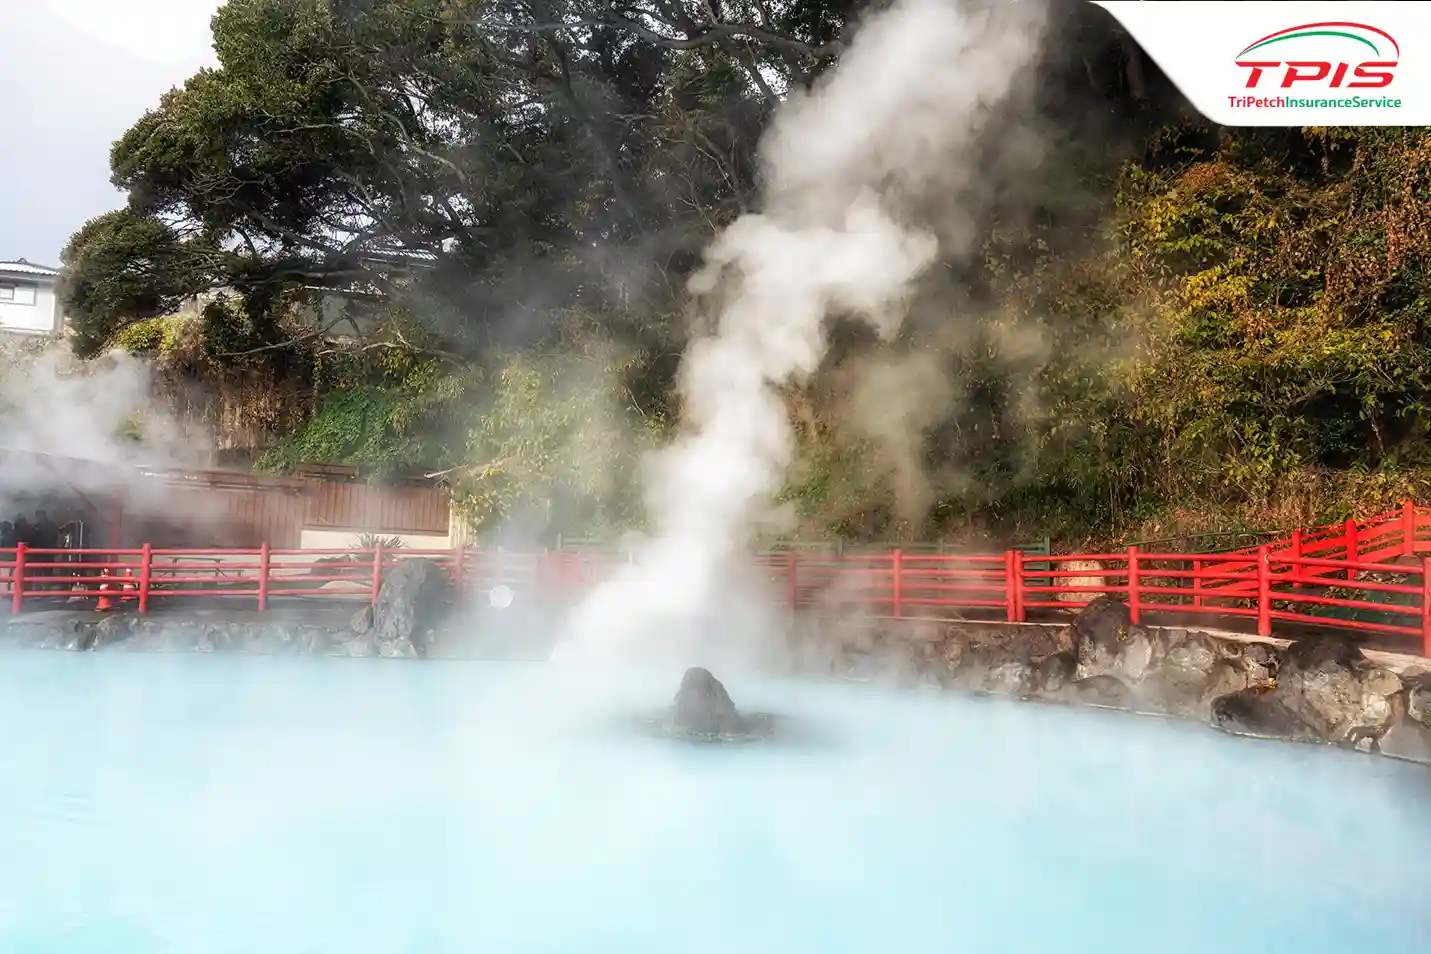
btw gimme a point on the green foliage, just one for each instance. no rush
(119, 268)
(350, 427)
(1246, 345)
(160, 335)
(558, 434)
(1293, 331)
(393, 425)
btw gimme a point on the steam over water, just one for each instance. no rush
(228, 805)
(846, 169)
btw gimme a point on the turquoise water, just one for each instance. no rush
(194, 804)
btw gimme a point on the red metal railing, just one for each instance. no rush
(1403, 532)
(1273, 586)
(112, 577)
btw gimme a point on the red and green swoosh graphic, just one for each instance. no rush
(1378, 41)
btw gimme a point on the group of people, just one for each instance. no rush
(42, 534)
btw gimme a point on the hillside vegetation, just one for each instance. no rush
(1166, 328)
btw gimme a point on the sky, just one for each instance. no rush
(74, 76)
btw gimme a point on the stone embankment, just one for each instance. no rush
(1323, 690)
(1320, 689)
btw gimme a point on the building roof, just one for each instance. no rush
(21, 267)
(393, 250)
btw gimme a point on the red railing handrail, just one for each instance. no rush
(1405, 519)
(1270, 584)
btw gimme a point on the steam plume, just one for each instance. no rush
(53, 405)
(847, 168)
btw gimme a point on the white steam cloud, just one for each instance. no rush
(848, 170)
(103, 412)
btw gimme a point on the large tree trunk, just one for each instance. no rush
(1133, 73)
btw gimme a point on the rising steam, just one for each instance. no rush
(54, 406)
(849, 168)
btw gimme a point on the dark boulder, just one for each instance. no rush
(1014, 677)
(411, 604)
(1260, 663)
(362, 620)
(1006, 661)
(1099, 691)
(1316, 652)
(113, 630)
(214, 639)
(1407, 739)
(1410, 735)
(1259, 714)
(1333, 687)
(1418, 698)
(703, 707)
(1053, 673)
(1108, 643)
(50, 631)
(1179, 684)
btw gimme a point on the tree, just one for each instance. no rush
(125, 266)
(527, 152)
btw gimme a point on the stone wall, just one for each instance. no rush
(1321, 689)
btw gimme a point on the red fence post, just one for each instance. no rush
(263, 561)
(1426, 606)
(1408, 529)
(792, 581)
(17, 593)
(1016, 584)
(896, 574)
(1197, 584)
(377, 570)
(1298, 570)
(1264, 591)
(146, 562)
(1011, 608)
(1135, 613)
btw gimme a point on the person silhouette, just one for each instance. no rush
(7, 542)
(47, 532)
(47, 537)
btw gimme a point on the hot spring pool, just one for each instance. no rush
(153, 803)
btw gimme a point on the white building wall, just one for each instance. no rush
(347, 539)
(31, 307)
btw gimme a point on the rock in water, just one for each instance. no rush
(1256, 713)
(1100, 691)
(703, 707)
(1333, 687)
(412, 601)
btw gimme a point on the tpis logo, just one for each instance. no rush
(1326, 55)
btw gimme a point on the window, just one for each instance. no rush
(17, 294)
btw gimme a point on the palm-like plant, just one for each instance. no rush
(371, 541)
